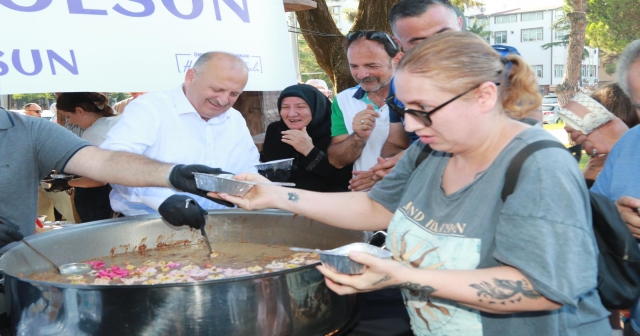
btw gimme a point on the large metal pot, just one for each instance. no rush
(289, 302)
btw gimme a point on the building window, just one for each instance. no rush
(561, 34)
(533, 34)
(559, 13)
(335, 12)
(531, 16)
(506, 18)
(538, 70)
(558, 71)
(501, 37)
(588, 70)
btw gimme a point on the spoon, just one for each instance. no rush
(206, 240)
(65, 269)
(55, 267)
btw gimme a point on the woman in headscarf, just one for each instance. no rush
(304, 133)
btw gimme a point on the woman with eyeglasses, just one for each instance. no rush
(467, 262)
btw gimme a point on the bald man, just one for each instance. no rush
(193, 123)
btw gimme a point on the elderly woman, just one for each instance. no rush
(467, 262)
(304, 133)
(91, 111)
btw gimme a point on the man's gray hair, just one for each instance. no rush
(207, 57)
(630, 55)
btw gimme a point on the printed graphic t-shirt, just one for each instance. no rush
(543, 230)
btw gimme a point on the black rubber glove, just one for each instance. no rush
(58, 185)
(181, 178)
(277, 175)
(179, 210)
(9, 233)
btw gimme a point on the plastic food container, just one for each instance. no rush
(338, 259)
(284, 164)
(222, 183)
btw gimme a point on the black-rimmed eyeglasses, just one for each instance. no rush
(423, 116)
(371, 35)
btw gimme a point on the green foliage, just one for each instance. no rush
(115, 97)
(309, 67)
(610, 68)
(350, 14)
(480, 29)
(42, 99)
(612, 24)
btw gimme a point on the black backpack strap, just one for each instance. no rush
(423, 154)
(511, 176)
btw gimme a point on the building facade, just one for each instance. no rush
(527, 29)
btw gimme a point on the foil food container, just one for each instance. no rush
(339, 261)
(222, 183)
(284, 164)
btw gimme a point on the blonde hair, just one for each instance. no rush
(458, 60)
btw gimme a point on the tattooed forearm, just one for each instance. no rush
(415, 288)
(503, 291)
(385, 278)
(293, 197)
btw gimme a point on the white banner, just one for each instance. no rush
(137, 45)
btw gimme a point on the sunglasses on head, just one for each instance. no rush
(371, 35)
(422, 116)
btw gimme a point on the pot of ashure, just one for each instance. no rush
(284, 302)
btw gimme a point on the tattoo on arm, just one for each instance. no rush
(415, 289)
(503, 291)
(385, 278)
(293, 197)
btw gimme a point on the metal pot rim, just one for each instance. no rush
(51, 233)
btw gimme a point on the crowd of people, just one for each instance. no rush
(419, 148)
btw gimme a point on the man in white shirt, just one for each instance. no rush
(194, 124)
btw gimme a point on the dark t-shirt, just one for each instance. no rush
(543, 229)
(394, 118)
(30, 148)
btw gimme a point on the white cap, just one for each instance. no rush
(318, 83)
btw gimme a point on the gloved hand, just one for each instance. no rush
(9, 233)
(180, 210)
(277, 175)
(58, 185)
(181, 178)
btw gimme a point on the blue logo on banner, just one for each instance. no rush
(33, 65)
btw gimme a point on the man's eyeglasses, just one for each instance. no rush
(371, 35)
(34, 111)
(423, 116)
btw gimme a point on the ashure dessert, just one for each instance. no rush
(181, 264)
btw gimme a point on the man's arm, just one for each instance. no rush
(345, 149)
(396, 142)
(118, 167)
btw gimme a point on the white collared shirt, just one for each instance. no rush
(165, 126)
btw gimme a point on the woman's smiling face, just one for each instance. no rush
(295, 112)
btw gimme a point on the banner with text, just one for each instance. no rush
(137, 45)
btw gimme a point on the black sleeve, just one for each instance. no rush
(317, 162)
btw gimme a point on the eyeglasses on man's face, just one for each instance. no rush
(371, 35)
(34, 111)
(423, 116)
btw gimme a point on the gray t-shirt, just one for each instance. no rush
(30, 148)
(543, 229)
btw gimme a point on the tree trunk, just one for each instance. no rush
(578, 18)
(329, 50)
